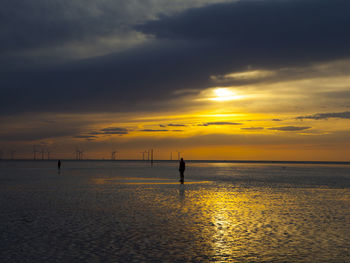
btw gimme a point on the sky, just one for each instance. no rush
(204, 79)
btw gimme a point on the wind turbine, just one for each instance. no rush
(42, 153)
(35, 151)
(77, 153)
(113, 155)
(48, 154)
(178, 155)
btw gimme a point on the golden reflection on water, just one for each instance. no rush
(141, 181)
(261, 223)
(159, 183)
(229, 220)
(210, 221)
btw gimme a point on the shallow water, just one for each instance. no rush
(131, 212)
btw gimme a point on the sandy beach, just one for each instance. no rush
(132, 212)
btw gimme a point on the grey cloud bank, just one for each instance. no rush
(36, 24)
(187, 48)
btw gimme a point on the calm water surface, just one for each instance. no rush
(131, 212)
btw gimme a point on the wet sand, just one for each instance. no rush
(131, 212)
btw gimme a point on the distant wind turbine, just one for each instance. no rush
(178, 155)
(113, 155)
(77, 154)
(42, 153)
(143, 156)
(35, 151)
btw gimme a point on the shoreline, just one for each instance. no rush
(191, 161)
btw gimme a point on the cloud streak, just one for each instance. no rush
(114, 130)
(289, 128)
(176, 125)
(323, 116)
(105, 131)
(161, 130)
(220, 123)
(85, 136)
(252, 128)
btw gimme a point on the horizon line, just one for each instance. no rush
(189, 160)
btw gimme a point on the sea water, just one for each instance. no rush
(130, 211)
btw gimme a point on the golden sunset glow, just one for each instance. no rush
(220, 95)
(255, 123)
(224, 94)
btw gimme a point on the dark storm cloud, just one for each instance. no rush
(188, 49)
(322, 116)
(36, 24)
(264, 25)
(135, 80)
(26, 24)
(289, 128)
(276, 120)
(219, 123)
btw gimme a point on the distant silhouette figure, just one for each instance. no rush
(59, 164)
(182, 167)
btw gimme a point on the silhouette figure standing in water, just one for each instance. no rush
(59, 164)
(182, 167)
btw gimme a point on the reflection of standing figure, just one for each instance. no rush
(182, 170)
(59, 164)
(182, 193)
